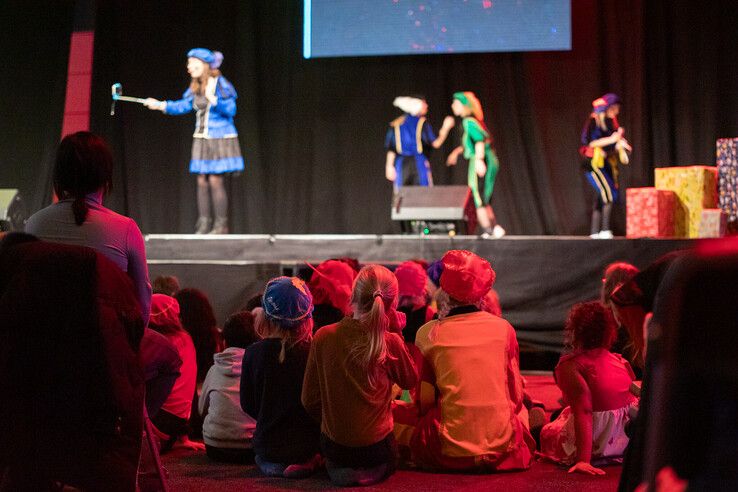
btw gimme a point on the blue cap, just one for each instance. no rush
(287, 301)
(434, 272)
(212, 58)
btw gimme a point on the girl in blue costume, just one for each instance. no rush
(603, 148)
(215, 147)
(409, 141)
(476, 145)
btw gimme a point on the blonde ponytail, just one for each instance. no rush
(374, 294)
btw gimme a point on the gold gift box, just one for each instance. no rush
(695, 188)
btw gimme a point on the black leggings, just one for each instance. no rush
(211, 186)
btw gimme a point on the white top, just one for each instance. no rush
(114, 235)
(225, 425)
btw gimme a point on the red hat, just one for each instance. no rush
(164, 310)
(466, 277)
(331, 283)
(411, 278)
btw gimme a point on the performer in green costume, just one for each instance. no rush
(476, 144)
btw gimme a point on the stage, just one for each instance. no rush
(538, 277)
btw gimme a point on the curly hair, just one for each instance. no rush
(590, 325)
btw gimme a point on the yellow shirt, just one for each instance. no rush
(474, 358)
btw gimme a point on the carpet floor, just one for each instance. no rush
(194, 472)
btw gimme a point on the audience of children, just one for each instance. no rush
(171, 421)
(467, 417)
(283, 400)
(348, 382)
(286, 439)
(596, 387)
(227, 430)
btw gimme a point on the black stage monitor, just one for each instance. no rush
(435, 204)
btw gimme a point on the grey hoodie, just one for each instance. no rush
(225, 425)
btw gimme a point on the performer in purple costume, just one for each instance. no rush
(215, 148)
(603, 148)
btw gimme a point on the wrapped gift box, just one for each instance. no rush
(650, 212)
(714, 223)
(695, 188)
(727, 165)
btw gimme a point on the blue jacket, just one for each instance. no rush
(217, 120)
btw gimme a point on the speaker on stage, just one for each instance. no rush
(434, 204)
(12, 213)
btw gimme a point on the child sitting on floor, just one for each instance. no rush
(227, 430)
(286, 440)
(171, 422)
(468, 413)
(348, 382)
(596, 386)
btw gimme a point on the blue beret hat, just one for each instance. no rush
(287, 301)
(212, 58)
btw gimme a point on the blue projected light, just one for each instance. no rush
(335, 28)
(306, 29)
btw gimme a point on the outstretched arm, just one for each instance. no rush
(578, 396)
(448, 123)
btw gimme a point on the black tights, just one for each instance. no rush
(600, 217)
(211, 185)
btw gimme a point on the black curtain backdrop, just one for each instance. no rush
(34, 52)
(312, 130)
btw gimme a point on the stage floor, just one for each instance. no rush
(538, 277)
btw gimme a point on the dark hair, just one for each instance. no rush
(166, 284)
(253, 302)
(616, 274)
(590, 325)
(198, 319)
(84, 164)
(239, 331)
